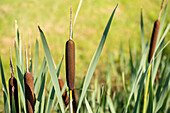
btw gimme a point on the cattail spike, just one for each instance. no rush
(71, 24)
(162, 5)
(12, 69)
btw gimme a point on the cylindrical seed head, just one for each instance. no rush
(153, 39)
(29, 92)
(13, 90)
(70, 63)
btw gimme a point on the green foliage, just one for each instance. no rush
(130, 74)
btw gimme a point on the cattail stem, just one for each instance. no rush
(71, 104)
(71, 24)
(13, 88)
(146, 90)
(26, 58)
(30, 59)
(161, 9)
(12, 69)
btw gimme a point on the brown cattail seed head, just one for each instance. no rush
(153, 39)
(70, 63)
(13, 90)
(29, 92)
(64, 96)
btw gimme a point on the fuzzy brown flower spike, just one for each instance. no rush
(29, 88)
(70, 58)
(155, 35)
(70, 62)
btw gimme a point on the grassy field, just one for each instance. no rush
(53, 17)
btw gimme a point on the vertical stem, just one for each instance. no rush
(26, 58)
(71, 105)
(146, 91)
(12, 69)
(70, 23)
(161, 9)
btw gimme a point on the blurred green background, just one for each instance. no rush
(53, 18)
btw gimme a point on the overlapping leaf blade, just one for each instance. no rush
(94, 61)
(52, 69)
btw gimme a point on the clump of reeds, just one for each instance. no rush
(13, 88)
(151, 52)
(70, 62)
(29, 88)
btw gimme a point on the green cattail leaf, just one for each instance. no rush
(52, 69)
(142, 33)
(21, 86)
(161, 24)
(158, 92)
(110, 103)
(78, 9)
(94, 61)
(17, 32)
(6, 102)
(50, 101)
(42, 103)
(150, 103)
(5, 94)
(40, 94)
(2, 76)
(44, 98)
(36, 61)
(37, 105)
(131, 65)
(139, 91)
(163, 37)
(163, 94)
(21, 57)
(38, 80)
(88, 106)
(51, 98)
(59, 66)
(139, 74)
(136, 81)
(16, 55)
(56, 104)
(156, 66)
(159, 52)
(13, 105)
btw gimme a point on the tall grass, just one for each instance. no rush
(139, 78)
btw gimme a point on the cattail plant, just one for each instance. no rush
(70, 62)
(75, 99)
(155, 35)
(13, 88)
(29, 88)
(152, 51)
